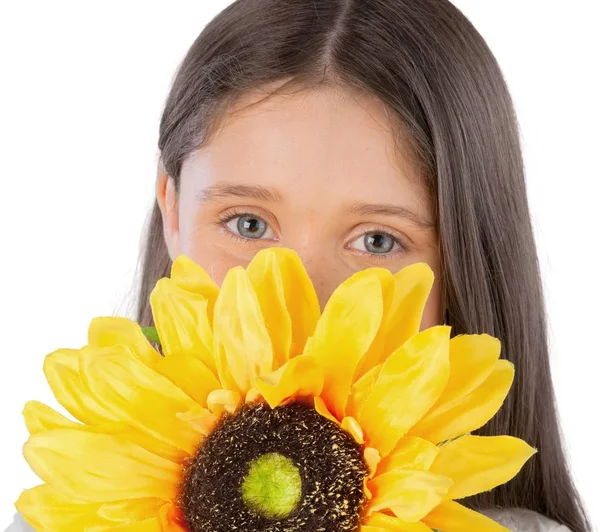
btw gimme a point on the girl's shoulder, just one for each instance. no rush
(516, 520)
(19, 525)
(522, 520)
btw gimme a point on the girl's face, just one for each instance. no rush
(320, 172)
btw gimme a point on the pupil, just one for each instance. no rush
(379, 243)
(251, 226)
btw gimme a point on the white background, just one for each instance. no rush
(81, 92)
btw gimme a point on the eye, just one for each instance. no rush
(377, 243)
(248, 226)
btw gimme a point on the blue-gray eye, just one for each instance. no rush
(379, 243)
(248, 226)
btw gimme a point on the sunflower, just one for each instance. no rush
(252, 410)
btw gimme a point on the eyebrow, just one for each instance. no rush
(214, 193)
(387, 209)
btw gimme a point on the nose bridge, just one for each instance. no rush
(319, 259)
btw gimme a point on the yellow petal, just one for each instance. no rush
(306, 350)
(266, 278)
(62, 373)
(410, 382)
(466, 414)
(409, 494)
(130, 511)
(171, 520)
(405, 297)
(367, 491)
(344, 333)
(478, 463)
(300, 376)
(193, 278)
(410, 453)
(322, 409)
(376, 351)
(182, 323)
(472, 359)
(379, 521)
(453, 517)
(135, 393)
(361, 389)
(147, 525)
(351, 426)
(109, 331)
(202, 419)
(220, 401)
(287, 299)
(242, 344)
(412, 286)
(154, 445)
(190, 374)
(46, 509)
(252, 396)
(372, 459)
(99, 467)
(40, 417)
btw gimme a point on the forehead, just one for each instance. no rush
(326, 140)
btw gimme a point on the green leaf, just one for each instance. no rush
(152, 334)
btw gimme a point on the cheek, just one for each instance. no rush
(216, 264)
(202, 249)
(200, 241)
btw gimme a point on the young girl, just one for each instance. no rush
(363, 134)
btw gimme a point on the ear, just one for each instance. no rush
(166, 196)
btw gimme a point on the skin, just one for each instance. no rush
(302, 167)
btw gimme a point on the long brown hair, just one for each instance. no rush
(437, 76)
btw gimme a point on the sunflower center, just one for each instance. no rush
(275, 470)
(273, 486)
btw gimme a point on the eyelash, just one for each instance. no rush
(226, 217)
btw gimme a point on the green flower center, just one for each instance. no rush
(273, 486)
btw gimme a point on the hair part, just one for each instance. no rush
(438, 78)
